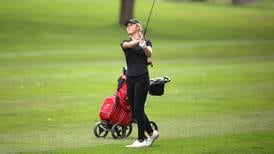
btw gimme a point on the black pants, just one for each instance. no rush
(137, 90)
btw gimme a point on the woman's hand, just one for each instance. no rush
(142, 44)
(147, 49)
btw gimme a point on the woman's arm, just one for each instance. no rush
(148, 51)
(130, 44)
(147, 48)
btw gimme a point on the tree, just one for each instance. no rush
(126, 11)
(239, 2)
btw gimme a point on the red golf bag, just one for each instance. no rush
(116, 108)
(115, 112)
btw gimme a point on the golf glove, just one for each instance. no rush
(142, 44)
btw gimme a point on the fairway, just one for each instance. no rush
(60, 59)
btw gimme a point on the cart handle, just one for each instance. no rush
(167, 79)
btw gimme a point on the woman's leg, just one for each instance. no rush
(149, 129)
(141, 90)
(130, 93)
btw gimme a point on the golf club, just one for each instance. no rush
(148, 19)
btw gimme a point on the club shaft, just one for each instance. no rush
(148, 19)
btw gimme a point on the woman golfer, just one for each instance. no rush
(137, 50)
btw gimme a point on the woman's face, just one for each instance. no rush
(132, 28)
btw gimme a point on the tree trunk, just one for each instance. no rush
(239, 2)
(126, 11)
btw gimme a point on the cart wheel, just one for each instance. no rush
(153, 125)
(100, 130)
(118, 131)
(128, 130)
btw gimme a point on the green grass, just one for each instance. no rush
(60, 59)
(251, 143)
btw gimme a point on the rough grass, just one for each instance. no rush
(60, 59)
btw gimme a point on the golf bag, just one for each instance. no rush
(116, 109)
(115, 112)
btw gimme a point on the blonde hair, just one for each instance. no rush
(140, 29)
